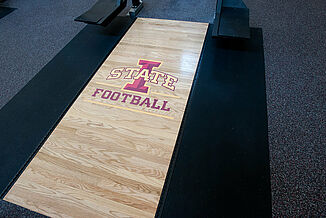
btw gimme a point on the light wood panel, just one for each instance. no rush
(109, 156)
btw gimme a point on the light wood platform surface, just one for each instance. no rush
(109, 157)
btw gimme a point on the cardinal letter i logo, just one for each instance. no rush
(140, 80)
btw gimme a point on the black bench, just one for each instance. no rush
(103, 12)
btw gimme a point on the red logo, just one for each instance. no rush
(147, 73)
(139, 83)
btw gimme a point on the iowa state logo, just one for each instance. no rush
(140, 76)
(136, 90)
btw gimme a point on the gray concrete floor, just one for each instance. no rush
(295, 58)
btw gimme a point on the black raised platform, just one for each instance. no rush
(220, 166)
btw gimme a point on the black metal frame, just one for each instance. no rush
(137, 5)
(231, 20)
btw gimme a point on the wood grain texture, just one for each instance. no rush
(109, 157)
